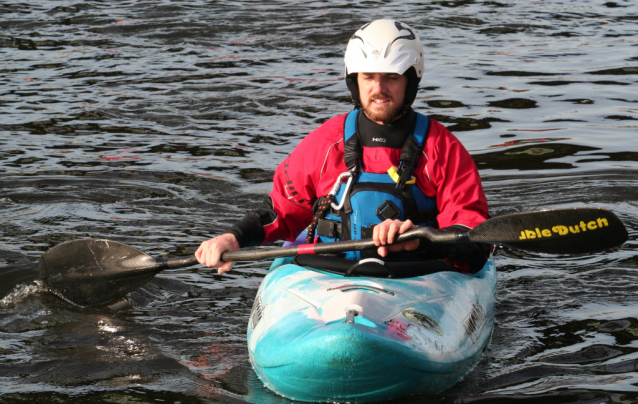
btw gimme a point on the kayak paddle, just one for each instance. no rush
(92, 272)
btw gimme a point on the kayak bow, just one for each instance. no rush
(315, 336)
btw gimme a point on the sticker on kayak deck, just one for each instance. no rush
(256, 313)
(398, 328)
(413, 335)
(419, 340)
(475, 321)
(424, 321)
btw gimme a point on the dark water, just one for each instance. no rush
(158, 123)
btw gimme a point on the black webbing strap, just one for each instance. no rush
(411, 153)
(323, 204)
(351, 142)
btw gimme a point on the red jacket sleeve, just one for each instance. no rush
(449, 172)
(296, 180)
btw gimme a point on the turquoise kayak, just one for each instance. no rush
(319, 336)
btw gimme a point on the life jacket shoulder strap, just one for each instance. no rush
(351, 142)
(421, 129)
(350, 124)
(412, 149)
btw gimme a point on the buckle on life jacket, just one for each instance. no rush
(392, 171)
(329, 228)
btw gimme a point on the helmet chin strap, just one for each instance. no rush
(410, 90)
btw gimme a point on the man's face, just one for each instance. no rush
(382, 95)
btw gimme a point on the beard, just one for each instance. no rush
(385, 114)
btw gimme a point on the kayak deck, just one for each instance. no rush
(314, 336)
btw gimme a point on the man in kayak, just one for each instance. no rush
(372, 173)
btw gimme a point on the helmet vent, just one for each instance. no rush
(400, 27)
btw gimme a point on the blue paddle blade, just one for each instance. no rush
(556, 231)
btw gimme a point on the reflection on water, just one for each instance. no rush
(535, 158)
(159, 124)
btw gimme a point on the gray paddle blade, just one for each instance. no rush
(557, 231)
(92, 272)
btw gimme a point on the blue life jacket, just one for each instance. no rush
(374, 197)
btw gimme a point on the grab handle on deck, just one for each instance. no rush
(346, 288)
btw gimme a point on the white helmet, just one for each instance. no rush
(385, 46)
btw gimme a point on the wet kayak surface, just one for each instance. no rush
(159, 124)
